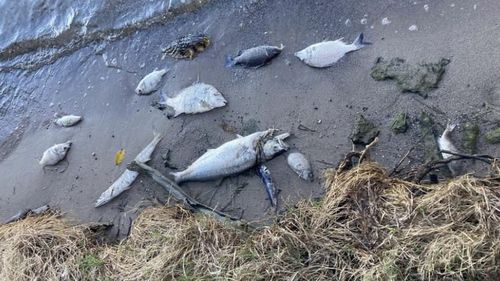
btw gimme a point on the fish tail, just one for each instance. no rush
(281, 47)
(177, 176)
(359, 42)
(230, 61)
(449, 128)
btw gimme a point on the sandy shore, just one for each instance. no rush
(282, 95)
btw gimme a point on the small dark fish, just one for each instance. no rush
(265, 175)
(187, 47)
(24, 213)
(255, 57)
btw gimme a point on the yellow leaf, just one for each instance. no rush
(120, 154)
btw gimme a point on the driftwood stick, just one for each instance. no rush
(481, 157)
(175, 190)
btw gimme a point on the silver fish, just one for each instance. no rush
(68, 120)
(445, 143)
(24, 213)
(128, 177)
(197, 98)
(255, 57)
(54, 154)
(150, 82)
(267, 180)
(234, 157)
(327, 53)
(299, 164)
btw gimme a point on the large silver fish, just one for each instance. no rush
(327, 53)
(128, 177)
(197, 98)
(234, 156)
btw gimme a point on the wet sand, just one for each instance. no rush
(282, 95)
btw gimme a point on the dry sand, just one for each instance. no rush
(282, 95)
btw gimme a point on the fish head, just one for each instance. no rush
(140, 89)
(275, 146)
(307, 175)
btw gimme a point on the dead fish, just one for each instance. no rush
(197, 98)
(255, 57)
(327, 53)
(299, 164)
(54, 154)
(150, 82)
(24, 213)
(68, 120)
(234, 156)
(187, 47)
(128, 177)
(265, 176)
(445, 143)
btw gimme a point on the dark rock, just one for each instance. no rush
(399, 124)
(420, 78)
(470, 137)
(493, 136)
(364, 131)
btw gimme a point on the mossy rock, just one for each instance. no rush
(364, 131)
(429, 135)
(470, 137)
(399, 124)
(420, 78)
(493, 136)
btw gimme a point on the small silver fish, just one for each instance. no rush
(54, 154)
(255, 57)
(128, 177)
(267, 180)
(445, 143)
(150, 82)
(68, 120)
(327, 53)
(233, 157)
(299, 164)
(197, 98)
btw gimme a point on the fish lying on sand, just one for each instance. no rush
(327, 53)
(234, 156)
(150, 82)
(299, 164)
(54, 154)
(197, 98)
(128, 177)
(445, 143)
(265, 176)
(187, 47)
(255, 57)
(68, 120)
(24, 213)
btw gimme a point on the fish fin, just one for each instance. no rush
(359, 42)
(238, 136)
(230, 61)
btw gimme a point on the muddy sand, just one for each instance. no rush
(284, 95)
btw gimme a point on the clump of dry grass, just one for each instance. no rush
(43, 248)
(368, 226)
